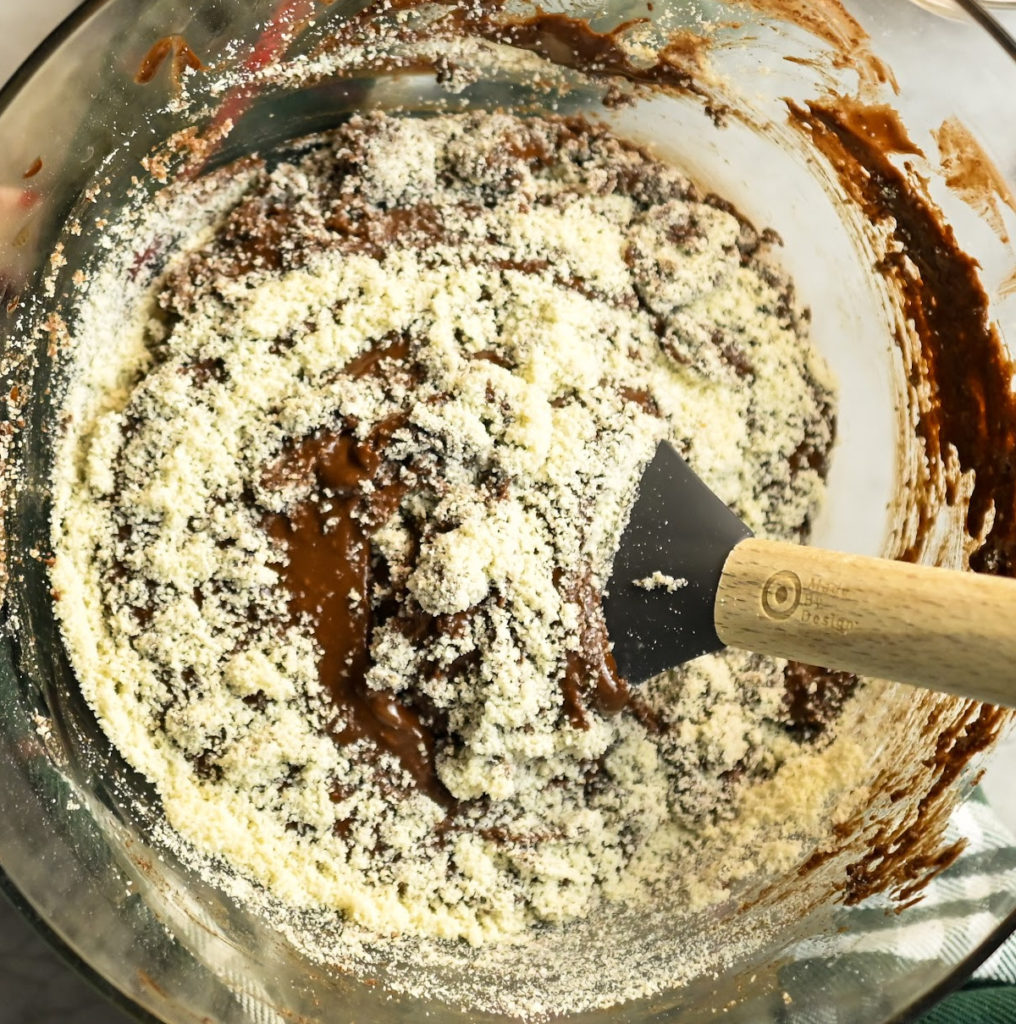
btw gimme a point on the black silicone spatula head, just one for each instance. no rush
(659, 602)
(688, 572)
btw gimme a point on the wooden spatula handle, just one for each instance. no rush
(944, 630)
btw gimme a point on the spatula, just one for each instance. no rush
(689, 578)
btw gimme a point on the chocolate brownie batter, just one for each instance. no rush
(343, 472)
(343, 531)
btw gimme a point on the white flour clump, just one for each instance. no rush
(337, 502)
(662, 581)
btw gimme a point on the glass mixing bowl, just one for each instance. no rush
(77, 121)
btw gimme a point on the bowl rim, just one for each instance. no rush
(55, 38)
(85, 10)
(959, 975)
(71, 960)
(979, 12)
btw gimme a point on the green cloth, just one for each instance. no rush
(977, 1003)
(875, 962)
(990, 996)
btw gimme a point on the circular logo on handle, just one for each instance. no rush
(782, 594)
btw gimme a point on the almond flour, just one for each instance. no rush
(444, 350)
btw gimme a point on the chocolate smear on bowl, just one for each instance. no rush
(970, 411)
(972, 407)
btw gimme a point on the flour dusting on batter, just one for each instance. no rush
(334, 512)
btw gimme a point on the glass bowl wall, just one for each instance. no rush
(74, 840)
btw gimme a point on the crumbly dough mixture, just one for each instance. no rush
(335, 510)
